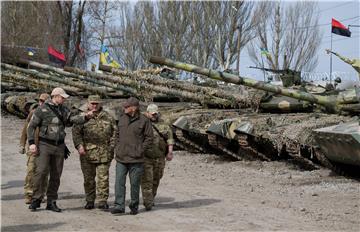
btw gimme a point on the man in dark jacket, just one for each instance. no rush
(134, 138)
(51, 119)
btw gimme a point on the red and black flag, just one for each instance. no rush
(339, 29)
(80, 50)
(56, 56)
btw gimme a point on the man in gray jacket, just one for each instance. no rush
(51, 118)
(135, 136)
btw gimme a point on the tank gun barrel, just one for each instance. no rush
(331, 103)
(274, 70)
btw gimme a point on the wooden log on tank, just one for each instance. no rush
(145, 86)
(130, 87)
(181, 85)
(37, 74)
(8, 86)
(95, 81)
(37, 84)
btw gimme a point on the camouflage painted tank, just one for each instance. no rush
(271, 136)
(18, 104)
(341, 145)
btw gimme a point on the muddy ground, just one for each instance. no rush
(198, 192)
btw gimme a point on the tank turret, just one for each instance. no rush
(288, 77)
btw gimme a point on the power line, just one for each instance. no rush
(326, 24)
(339, 5)
(341, 39)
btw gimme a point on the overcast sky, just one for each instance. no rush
(347, 12)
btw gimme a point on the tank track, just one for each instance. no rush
(245, 145)
(303, 162)
(243, 151)
(187, 143)
(215, 143)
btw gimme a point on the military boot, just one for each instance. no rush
(117, 211)
(133, 211)
(89, 205)
(51, 205)
(103, 205)
(35, 203)
(28, 199)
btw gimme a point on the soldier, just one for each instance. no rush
(28, 186)
(51, 118)
(134, 138)
(155, 158)
(94, 141)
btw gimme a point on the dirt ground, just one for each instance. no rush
(199, 192)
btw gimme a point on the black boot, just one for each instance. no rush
(53, 207)
(35, 203)
(133, 211)
(89, 205)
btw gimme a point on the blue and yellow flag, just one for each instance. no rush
(106, 59)
(265, 52)
(30, 51)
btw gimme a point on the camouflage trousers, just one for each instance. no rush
(95, 189)
(29, 182)
(153, 172)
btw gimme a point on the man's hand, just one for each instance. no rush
(22, 150)
(81, 150)
(33, 149)
(90, 114)
(327, 51)
(169, 156)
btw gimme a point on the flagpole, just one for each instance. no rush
(331, 56)
(262, 61)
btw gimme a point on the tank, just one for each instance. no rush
(18, 104)
(272, 136)
(341, 145)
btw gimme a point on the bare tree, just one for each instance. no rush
(235, 23)
(203, 31)
(29, 24)
(124, 38)
(100, 17)
(72, 26)
(291, 36)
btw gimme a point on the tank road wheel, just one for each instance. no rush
(246, 148)
(218, 143)
(242, 140)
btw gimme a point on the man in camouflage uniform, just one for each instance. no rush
(155, 158)
(95, 141)
(51, 119)
(28, 186)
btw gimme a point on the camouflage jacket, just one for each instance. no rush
(161, 142)
(51, 128)
(97, 136)
(23, 137)
(134, 138)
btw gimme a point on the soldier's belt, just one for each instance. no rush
(52, 142)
